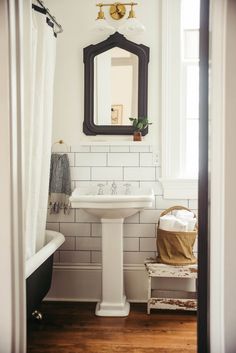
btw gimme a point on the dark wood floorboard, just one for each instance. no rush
(74, 328)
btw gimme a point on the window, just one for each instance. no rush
(180, 101)
(190, 86)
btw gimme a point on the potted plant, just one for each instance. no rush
(139, 124)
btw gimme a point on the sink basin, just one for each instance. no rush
(115, 206)
(112, 209)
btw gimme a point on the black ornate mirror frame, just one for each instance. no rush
(115, 40)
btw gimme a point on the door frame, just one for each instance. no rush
(203, 317)
(14, 303)
(203, 185)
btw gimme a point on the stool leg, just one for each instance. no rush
(148, 309)
(149, 293)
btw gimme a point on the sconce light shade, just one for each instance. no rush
(101, 25)
(131, 27)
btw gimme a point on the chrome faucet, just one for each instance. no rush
(113, 188)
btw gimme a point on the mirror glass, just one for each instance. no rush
(115, 87)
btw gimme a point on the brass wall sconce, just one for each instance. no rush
(117, 12)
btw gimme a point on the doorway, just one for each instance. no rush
(203, 317)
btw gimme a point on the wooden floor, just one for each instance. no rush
(73, 328)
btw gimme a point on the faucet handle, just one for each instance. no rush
(127, 188)
(101, 190)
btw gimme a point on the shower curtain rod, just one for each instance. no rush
(60, 29)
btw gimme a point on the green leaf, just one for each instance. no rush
(145, 121)
(140, 125)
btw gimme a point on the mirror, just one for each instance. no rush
(116, 74)
(115, 87)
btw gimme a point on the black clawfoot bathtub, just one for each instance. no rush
(39, 271)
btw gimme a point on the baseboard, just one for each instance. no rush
(83, 283)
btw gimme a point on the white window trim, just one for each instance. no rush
(173, 186)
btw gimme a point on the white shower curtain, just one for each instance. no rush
(38, 129)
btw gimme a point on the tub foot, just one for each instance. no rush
(37, 315)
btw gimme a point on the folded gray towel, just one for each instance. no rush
(59, 184)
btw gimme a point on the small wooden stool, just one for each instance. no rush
(156, 300)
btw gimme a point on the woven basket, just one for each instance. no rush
(175, 248)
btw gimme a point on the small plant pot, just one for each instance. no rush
(137, 136)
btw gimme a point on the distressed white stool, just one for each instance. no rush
(156, 298)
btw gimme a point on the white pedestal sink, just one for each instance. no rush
(112, 209)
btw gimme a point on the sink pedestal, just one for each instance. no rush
(113, 302)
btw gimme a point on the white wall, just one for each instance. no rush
(77, 18)
(115, 159)
(230, 177)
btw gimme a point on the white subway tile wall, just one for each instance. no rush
(83, 217)
(93, 164)
(80, 173)
(88, 243)
(56, 257)
(131, 244)
(146, 159)
(53, 226)
(140, 173)
(107, 173)
(76, 229)
(90, 159)
(123, 159)
(96, 257)
(96, 229)
(69, 244)
(71, 159)
(75, 257)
